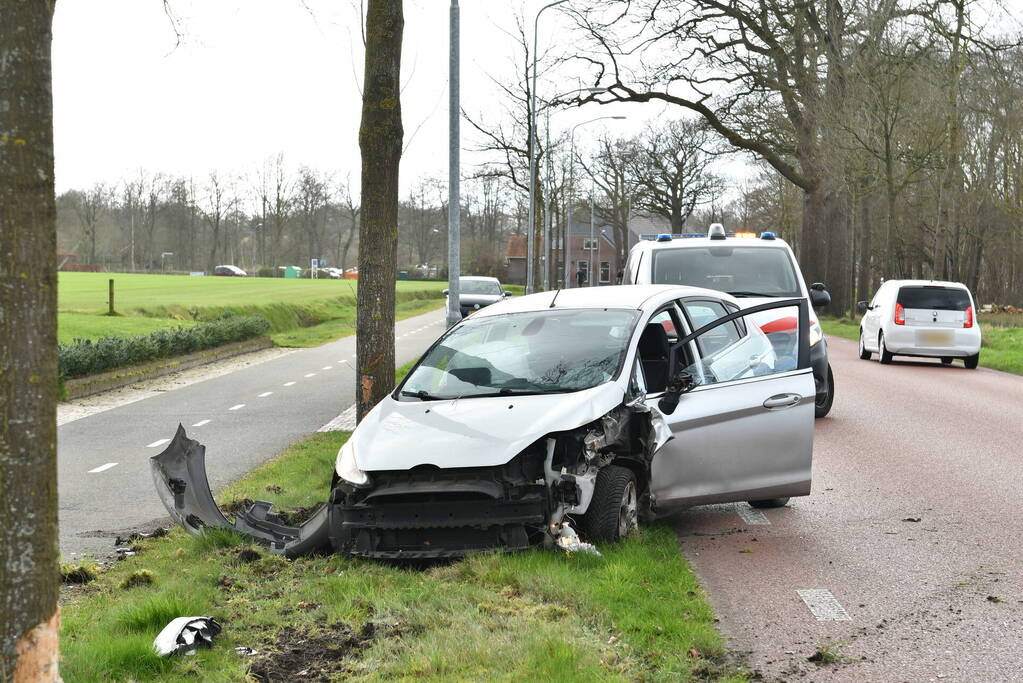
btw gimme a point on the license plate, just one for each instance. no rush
(936, 338)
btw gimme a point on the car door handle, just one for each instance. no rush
(782, 401)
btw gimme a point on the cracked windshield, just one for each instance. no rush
(526, 353)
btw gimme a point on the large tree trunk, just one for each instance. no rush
(29, 619)
(380, 138)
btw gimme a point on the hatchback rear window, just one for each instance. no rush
(935, 298)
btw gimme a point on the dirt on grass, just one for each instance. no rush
(309, 655)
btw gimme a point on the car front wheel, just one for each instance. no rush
(882, 352)
(823, 402)
(864, 354)
(614, 508)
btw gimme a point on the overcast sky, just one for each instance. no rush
(252, 78)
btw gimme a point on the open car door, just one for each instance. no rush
(743, 429)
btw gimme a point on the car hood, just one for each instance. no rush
(481, 299)
(471, 432)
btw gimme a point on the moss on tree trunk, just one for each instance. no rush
(28, 347)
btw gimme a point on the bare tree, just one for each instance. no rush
(29, 618)
(349, 226)
(219, 201)
(380, 138)
(310, 210)
(88, 207)
(671, 170)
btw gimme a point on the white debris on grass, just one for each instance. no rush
(568, 540)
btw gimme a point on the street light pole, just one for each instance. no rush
(531, 229)
(454, 314)
(571, 187)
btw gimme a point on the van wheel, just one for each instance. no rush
(884, 356)
(614, 509)
(971, 362)
(769, 503)
(864, 354)
(946, 360)
(823, 402)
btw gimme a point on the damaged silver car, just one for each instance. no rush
(588, 409)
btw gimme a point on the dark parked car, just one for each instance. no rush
(477, 292)
(229, 271)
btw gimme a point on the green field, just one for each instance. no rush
(87, 292)
(635, 614)
(1001, 344)
(300, 312)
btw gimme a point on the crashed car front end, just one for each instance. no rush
(472, 453)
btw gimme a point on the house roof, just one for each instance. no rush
(516, 247)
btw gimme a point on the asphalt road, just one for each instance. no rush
(940, 598)
(244, 418)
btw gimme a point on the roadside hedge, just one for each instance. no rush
(87, 357)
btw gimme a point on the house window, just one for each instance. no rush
(584, 268)
(590, 244)
(605, 271)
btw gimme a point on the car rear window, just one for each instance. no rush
(935, 298)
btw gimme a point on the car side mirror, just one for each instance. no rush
(444, 292)
(819, 296)
(862, 306)
(680, 384)
(505, 293)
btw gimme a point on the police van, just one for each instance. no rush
(754, 270)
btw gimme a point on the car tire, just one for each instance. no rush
(823, 402)
(614, 508)
(769, 503)
(946, 360)
(864, 354)
(971, 362)
(883, 355)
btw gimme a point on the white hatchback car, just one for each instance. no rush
(924, 318)
(593, 407)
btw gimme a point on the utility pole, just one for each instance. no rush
(531, 228)
(593, 240)
(454, 202)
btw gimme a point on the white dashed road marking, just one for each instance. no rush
(288, 384)
(328, 367)
(265, 394)
(751, 515)
(310, 374)
(823, 604)
(237, 407)
(102, 468)
(200, 423)
(156, 444)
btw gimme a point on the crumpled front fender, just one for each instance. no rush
(179, 473)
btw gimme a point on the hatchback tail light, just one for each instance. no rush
(900, 314)
(969, 317)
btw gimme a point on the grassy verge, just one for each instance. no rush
(72, 326)
(344, 326)
(1001, 347)
(637, 613)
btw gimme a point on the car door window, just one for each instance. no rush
(732, 352)
(655, 342)
(721, 337)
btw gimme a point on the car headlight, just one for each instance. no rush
(346, 467)
(815, 334)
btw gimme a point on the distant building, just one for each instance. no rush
(597, 255)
